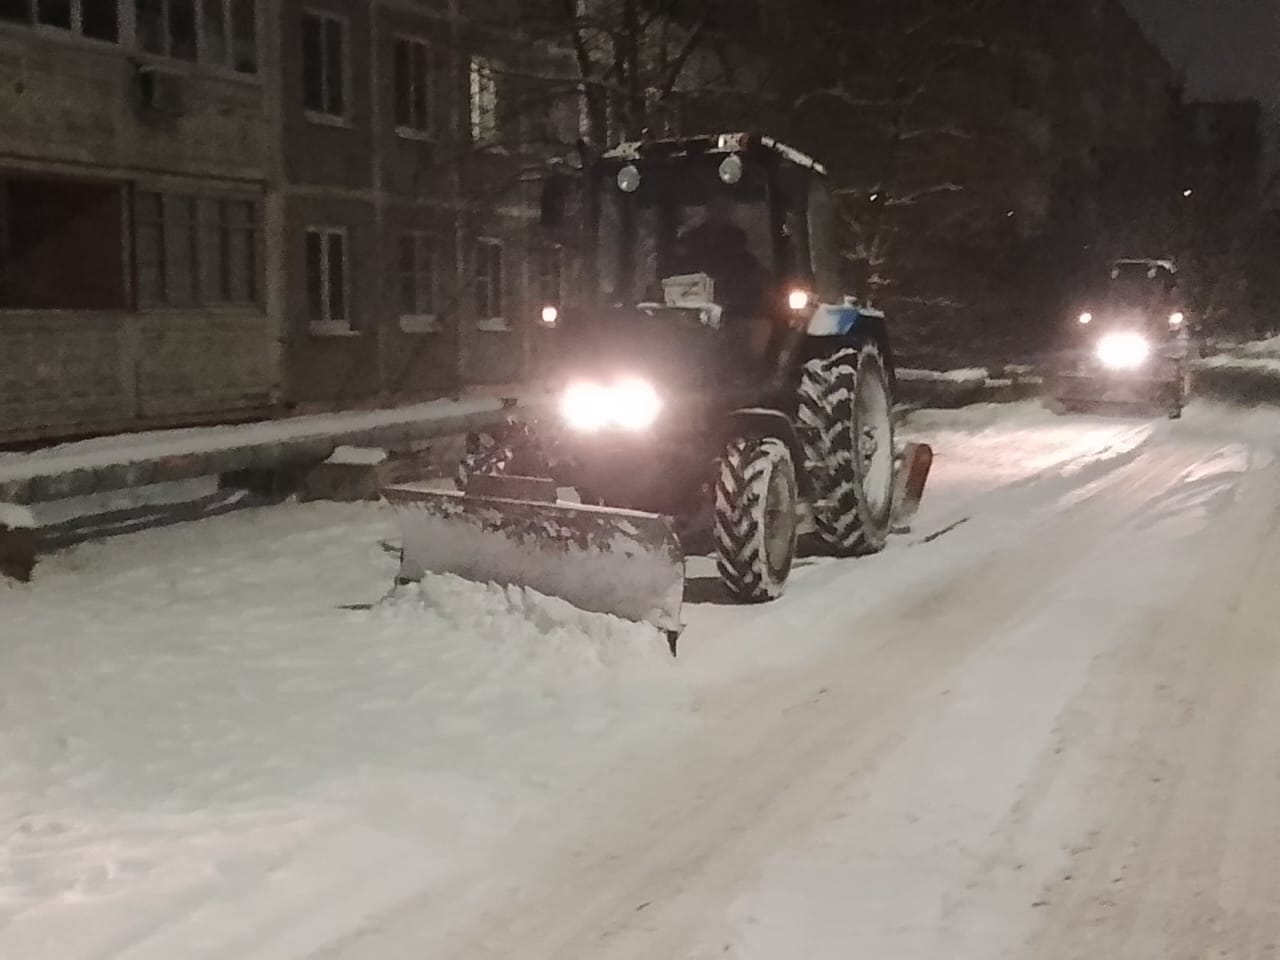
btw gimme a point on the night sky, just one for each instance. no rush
(1229, 48)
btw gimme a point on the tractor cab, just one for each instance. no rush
(1141, 296)
(731, 236)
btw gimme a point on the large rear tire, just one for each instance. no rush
(846, 421)
(755, 519)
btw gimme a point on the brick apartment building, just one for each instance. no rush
(222, 209)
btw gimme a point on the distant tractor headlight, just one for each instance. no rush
(550, 315)
(1123, 351)
(1176, 318)
(632, 404)
(1086, 317)
(797, 300)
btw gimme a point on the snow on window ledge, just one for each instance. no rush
(332, 328)
(327, 119)
(420, 323)
(413, 133)
(494, 325)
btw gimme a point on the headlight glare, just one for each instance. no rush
(635, 404)
(585, 406)
(1123, 351)
(632, 404)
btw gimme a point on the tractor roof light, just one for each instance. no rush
(731, 169)
(550, 315)
(798, 299)
(629, 178)
(1176, 318)
(1086, 317)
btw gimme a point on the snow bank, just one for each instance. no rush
(1259, 362)
(1261, 348)
(134, 448)
(16, 517)
(210, 731)
(969, 375)
(357, 456)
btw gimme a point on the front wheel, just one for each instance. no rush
(755, 519)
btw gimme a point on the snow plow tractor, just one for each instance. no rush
(1128, 349)
(714, 383)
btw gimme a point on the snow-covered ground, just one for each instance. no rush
(1044, 732)
(157, 444)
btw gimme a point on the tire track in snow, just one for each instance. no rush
(1146, 880)
(668, 844)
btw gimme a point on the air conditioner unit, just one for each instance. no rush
(160, 91)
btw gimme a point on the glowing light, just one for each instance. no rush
(632, 404)
(798, 299)
(1123, 351)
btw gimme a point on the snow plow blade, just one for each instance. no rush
(620, 562)
(909, 481)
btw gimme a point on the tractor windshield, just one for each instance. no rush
(682, 219)
(1139, 285)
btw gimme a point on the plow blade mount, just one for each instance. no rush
(601, 560)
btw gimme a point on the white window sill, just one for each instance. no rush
(411, 133)
(332, 330)
(420, 324)
(494, 325)
(327, 119)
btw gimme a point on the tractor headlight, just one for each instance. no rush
(1123, 351)
(632, 404)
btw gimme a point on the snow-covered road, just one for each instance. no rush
(1045, 733)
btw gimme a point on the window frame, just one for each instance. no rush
(321, 115)
(199, 226)
(483, 70)
(424, 242)
(497, 321)
(129, 38)
(410, 131)
(326, 326)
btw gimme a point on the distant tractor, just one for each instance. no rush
(1129, 347)
(714, 379)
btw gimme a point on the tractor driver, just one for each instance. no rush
(718, 247)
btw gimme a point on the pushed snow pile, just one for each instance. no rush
(16, 517)
(1258, 361)
(969, 375)
(520, 627)
(358, 456)
(1261, 348)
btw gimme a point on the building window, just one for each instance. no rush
(417, 276)
(167, 27)
(222, 33)
(191, 251)
(550, 280)
(324, 65)
(95, 19)
(488, 285)
(413, 86)
(484, 101)
(328, 280)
